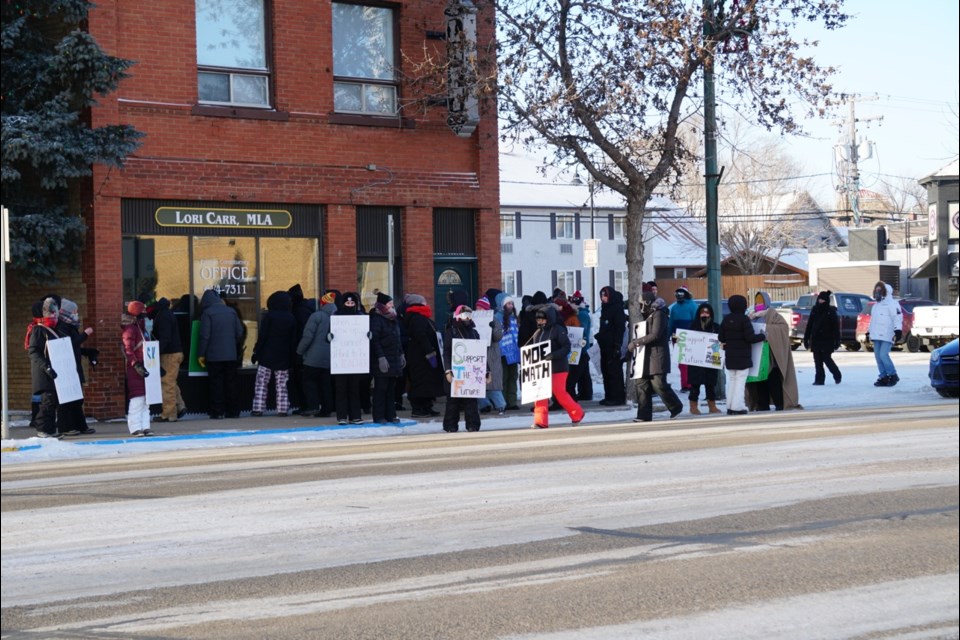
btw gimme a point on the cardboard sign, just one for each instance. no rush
(536, 370)
(756, 350)
(576, 335)
(482, 319)
(350, 349)
(67, 382)
(151, 362)
(468, 362)
(639, 330)
(699, 349)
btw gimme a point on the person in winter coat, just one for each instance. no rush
(302, 309)
(549, 329)
(822, 337)
(682, 313)
(509, 349)
(737, 337)
(528, 315)
(167, 332)
(423, 357)
(349, 386)
(580, 382)
(386, 359)
(655, 361)
(274, 353)
(42, 375)
(218, 348)
(71, 419)
(495, 400)
(461, 328)
(703, 376)
(780, 387)
(314, 349)
(886, 328)
(133, 335)
(609, 336)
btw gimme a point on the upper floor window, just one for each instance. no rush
(619, 227)
(565, 227)
(232, 53)
(508, 228)
(364, 60)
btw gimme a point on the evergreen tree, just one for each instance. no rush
(52, 73)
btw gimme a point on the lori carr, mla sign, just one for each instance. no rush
(223, 218)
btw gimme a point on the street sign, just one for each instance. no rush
(591, 252)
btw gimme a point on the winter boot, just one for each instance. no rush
(712, 404)
(694, 409)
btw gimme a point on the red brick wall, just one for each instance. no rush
(305, 159)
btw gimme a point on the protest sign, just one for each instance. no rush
(151, 362)
(699, 349)
(639, 330)
(482, 319)
(536, 370)
(63, 362)
(350, 348)
(576, 336)
(756, 350)
(468, 362)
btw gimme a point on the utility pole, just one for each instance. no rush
(848, 151)
(711, 174)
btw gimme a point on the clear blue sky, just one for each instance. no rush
(905, 54)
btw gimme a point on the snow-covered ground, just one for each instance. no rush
(857, 390)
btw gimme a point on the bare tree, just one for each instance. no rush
(906, 198)
(607, 83)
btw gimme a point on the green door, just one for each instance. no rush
(450, 276)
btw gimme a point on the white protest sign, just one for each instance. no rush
(576, 336)
(482, 319)
(350, 348)
(63, 362)
(639, 330)
(756, 349)
(151, 362)
(468, 362)
(699, 349)
(536, 370)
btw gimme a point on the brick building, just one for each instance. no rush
(281, 148)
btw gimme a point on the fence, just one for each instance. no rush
(779, 287)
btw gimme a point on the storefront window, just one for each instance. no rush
(285, 262)
(373, 276)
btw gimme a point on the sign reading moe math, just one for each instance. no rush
(193, 217)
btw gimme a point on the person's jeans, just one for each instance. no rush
(494, 398)
(881, 351)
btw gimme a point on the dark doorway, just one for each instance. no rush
(450, 276)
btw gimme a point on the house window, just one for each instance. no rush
(232, 53)
(565, 227)
(506, 247)
(620, 280)
(508, 282)
(566, 248)
(619, 228)
(508, 227)
(679, 273)
(567, 281)
(363, 60)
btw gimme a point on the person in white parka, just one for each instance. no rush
(886, 328)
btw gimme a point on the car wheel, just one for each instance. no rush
(913, 343)
(948, 393)
(852, 346)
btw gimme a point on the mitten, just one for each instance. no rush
(50, 372)
(491, 324)
(898, 335)
(88, 331)
(432, 359)
(383, 364)
(141, 370)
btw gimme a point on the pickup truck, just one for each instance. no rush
(937, 325)
(849, 306)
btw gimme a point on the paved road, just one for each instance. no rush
(810, 525)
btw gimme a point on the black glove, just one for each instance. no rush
(491, 324)
(253, 358)
(369, 335)
(897, 335)
(50, 372)
(163, 372)
(141, 370)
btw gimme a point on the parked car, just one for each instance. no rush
(936, 326)
(849, 306)
(945, 369)
(907, 305)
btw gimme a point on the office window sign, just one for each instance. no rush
(203, 218)
(229, 278)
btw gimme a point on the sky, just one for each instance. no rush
(903, 59)
(859, 372)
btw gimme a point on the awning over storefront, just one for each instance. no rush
(927, 270)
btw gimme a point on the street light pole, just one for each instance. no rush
(593, 270)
